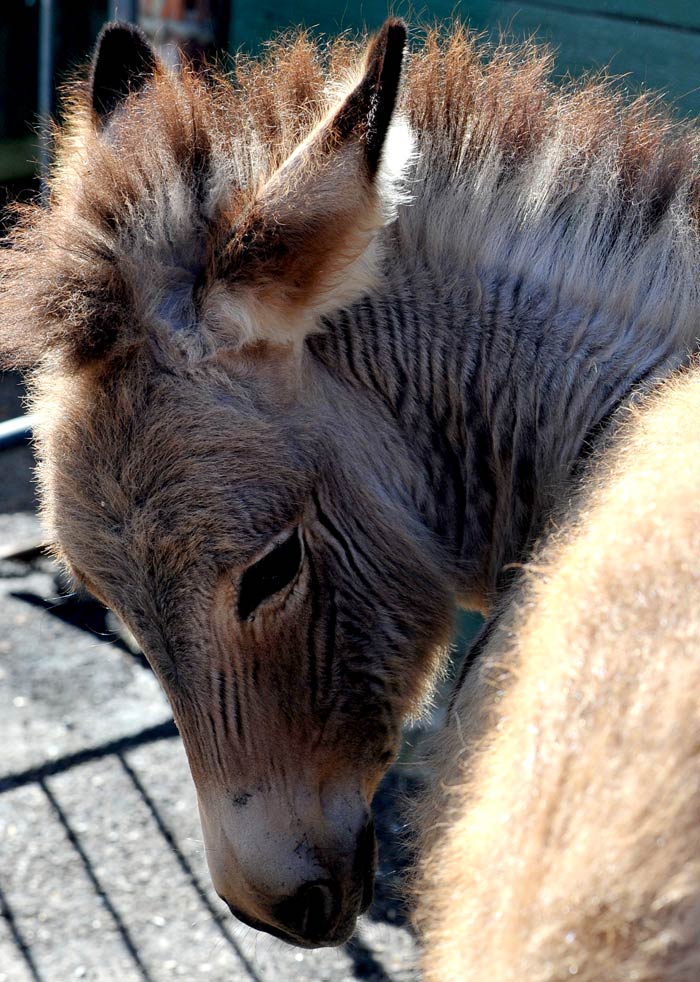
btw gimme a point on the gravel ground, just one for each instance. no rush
(102, 871)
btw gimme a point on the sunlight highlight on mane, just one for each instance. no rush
(567, 184)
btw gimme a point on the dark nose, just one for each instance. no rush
(312, 911)
(316, 914)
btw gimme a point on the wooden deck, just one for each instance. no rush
(654, 44)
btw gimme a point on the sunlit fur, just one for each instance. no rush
(235, 329)
(564, 841)
(569, 186)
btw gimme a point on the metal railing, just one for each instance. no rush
(16, 432)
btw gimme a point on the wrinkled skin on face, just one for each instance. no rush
(248, 513)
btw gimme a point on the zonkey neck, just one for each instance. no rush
(500, 386)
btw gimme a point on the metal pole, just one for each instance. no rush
(124, 10)
(15, 432)
(45, 87)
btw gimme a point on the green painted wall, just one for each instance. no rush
(654, 44)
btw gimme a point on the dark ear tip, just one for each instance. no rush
(395, 28)
(122, 36)
(383, 75)
(385, 53)
(392, 35)
(123, 61)
(114, 27)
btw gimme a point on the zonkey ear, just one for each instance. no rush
(366, 113)
(303, 248)
(60, 291)
(123, 62)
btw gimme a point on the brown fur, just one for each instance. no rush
(72, 272)
(194, 432)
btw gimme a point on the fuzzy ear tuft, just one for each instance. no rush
(123, 63)
(305, 247)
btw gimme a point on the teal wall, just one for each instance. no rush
(655, 44)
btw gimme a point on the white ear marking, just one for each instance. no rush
(398, 156)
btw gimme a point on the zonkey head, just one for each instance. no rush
(238, 504)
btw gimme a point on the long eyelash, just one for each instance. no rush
(269, 575)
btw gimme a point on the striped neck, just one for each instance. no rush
(497, 387)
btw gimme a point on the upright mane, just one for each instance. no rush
(569, 185)
(572, 186)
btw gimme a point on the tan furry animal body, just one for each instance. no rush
(318, 351)
(565, 841)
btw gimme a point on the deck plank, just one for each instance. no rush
(44, 660)
(60, 917)
(151, 898)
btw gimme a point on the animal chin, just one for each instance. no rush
(339, 935)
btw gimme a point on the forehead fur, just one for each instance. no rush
(201, 468)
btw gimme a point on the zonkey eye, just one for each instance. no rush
(269, 575)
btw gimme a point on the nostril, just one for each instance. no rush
(311, 912)
(316, 903)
